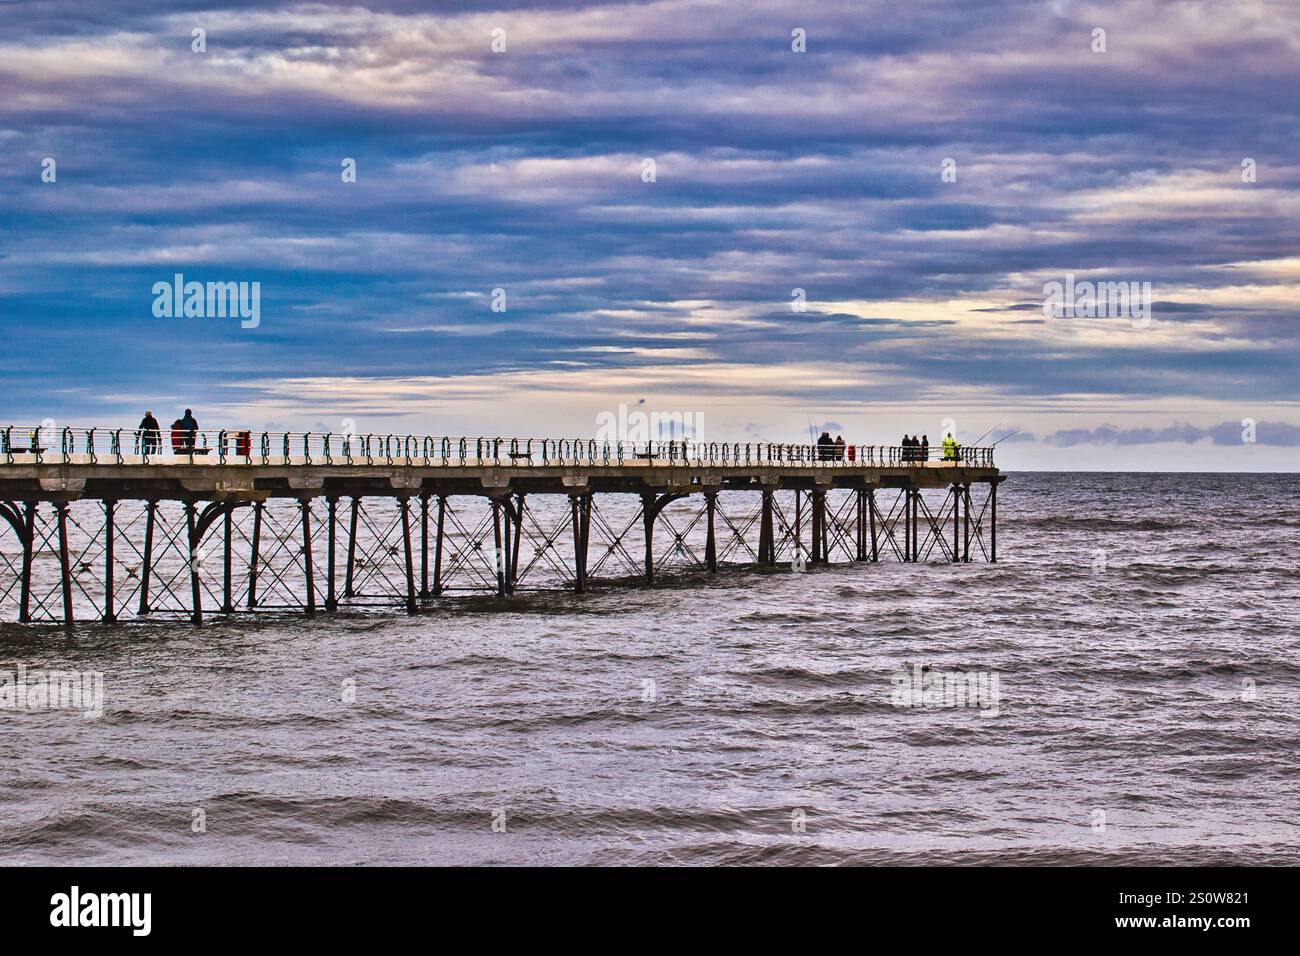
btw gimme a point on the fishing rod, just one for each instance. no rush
(1005, 437)
(985, 435)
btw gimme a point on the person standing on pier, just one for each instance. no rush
(906, 444)
(825, 447)
(150, 434)
(949, 448)
(925, 448)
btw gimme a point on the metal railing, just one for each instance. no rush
(68, 445)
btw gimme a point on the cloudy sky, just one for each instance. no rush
(773, 170)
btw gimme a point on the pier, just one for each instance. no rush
(98, 525)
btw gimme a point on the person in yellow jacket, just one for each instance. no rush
(950, 447)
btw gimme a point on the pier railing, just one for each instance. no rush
(67, 445)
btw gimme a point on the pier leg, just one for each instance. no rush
(65, 567)
(405, 505)
(308, 567)
(579, 565)
(586, 533)
(196, 588)
(824, 524)
(580, 506)
(871, 517)
(507, 552)
(814, 549)
(798, 523)
(956, 518)
(519, 536)
(227, 594)
(648, 517)
(907, 525)
(424, 547)
(255, 553)
(993, 518)
(437, 548)
(710, 543)
(916, 528)
(331, 598)
(29, 544)
(860, 526)
(146, 567)
(818, 554)
(498, 557)
(352, 549)
(766, 538)
(110, 613)
(966, 523)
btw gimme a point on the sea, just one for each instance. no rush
(1132, 696)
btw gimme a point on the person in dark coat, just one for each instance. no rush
(907, 448)
(190, 426)
(825, 447)
(925, 448)
(150, 434)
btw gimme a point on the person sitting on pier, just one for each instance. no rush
(839, 447)
(150, 434)
(950, 448)
(825, 447)
(925, 448)
(190, 427)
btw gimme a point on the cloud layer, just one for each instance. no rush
(1229, 434)
(773, 171)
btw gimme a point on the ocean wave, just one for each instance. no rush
(805, 677)
(811, 852)
(1075, 523)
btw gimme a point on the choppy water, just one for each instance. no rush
(1125, 691)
